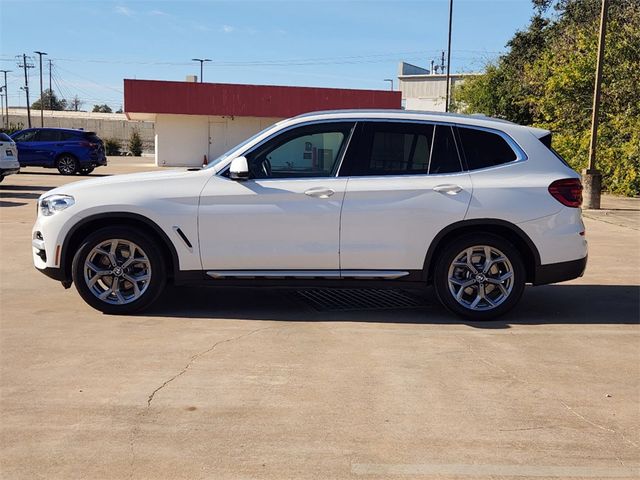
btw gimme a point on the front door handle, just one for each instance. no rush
(319, 192)
(448, 189)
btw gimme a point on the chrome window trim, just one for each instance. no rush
(255, 146)
(521, 156)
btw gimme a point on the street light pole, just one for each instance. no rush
(201, 60)
(391, 81)
(591, 177)
(40, 54)
(446, 100)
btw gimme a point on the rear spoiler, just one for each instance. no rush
(541, 134)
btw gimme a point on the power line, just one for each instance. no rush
(337, 60)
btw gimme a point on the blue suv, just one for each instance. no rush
(70, 151)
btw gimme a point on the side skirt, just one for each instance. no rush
(302, 278)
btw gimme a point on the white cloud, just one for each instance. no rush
(158, 13)
(227, 29)
(122, 10)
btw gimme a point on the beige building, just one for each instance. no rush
(423, 89)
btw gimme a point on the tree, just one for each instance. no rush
(546, 79)
(49, 101)
(102, 108)
(135, 143)
(75, 104)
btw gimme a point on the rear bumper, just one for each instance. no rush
(559, 272)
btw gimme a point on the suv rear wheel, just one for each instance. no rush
(67, 164)
(118, 270)
(479, 276)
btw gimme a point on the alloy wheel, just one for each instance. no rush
(67, 165)
(117, 271)
(481, 278)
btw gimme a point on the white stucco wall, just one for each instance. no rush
(427, 92)
(184, 140)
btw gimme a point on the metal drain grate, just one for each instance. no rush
(328, 300)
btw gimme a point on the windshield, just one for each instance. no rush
(238, 147)
(5, 138)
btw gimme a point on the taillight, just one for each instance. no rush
(89, 144)
(567, 191)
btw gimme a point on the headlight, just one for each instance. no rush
(55, 203)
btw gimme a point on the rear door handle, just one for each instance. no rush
(448, 189)
(319, 192)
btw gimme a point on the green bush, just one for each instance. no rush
(135, 143)
(546, 80)
(112, 146)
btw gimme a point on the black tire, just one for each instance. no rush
(149, 290)
(67, 164)
(485, 289)
(85, 170)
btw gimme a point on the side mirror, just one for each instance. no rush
(239, 169)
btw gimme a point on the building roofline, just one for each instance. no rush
(440, 75)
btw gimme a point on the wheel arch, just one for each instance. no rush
(507, 230)
(90, 224)
(63, 153)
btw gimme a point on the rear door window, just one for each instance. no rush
(48, 136)
(484, 149)
(402, 148)
(68, 136)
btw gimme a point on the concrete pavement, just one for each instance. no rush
(239, 384)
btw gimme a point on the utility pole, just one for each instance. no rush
(40, 54)
(591, 177)
(201, 60)
(2, 104)
(26, 66)
(50, 90)
(446, 105)
(6, 95)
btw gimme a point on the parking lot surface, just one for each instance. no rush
(259, 383)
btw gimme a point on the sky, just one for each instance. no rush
(95, 44)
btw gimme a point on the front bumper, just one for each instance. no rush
(9, 171)
(559, 272)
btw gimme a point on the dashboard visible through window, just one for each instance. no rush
(309, 151)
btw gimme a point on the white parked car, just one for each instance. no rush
(475, 206)
(8, 157)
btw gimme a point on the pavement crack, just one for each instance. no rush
(136, 430)
(601, 427)
(548, 394)
(197, 356)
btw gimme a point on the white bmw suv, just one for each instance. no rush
(475, 206)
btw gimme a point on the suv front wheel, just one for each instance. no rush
(479, 276)
(118, 270)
